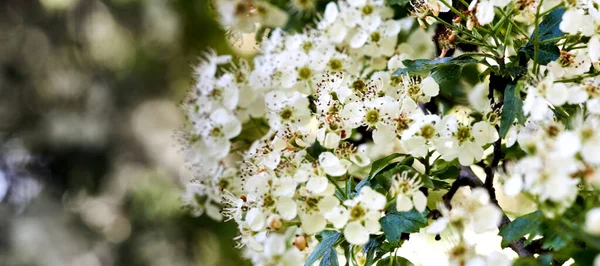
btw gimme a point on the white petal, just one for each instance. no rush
(331, 12)
(356, 234)
(592, 221)
(313, 223)
(430, 87)
(317, 184)
(486, 218)
(403, 203)
(513, 186)
(338, 217)
(331, 140)
(557, 94)
(331, 164)
(286, 207)
(437, 226)
(372, 199)
(255, 219)
(485, 12)
(420, 201)
(359, 39)
(568, 143)
(384, 135)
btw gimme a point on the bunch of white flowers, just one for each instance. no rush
(340, 139)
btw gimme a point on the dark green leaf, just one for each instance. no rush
(420, 65)
(330, 258)
(513, 108)
(526, 261)
(396, 223)
(437, 185)
(547, 52)
(370, 248)
(445, 170)
(424, 65)
(376, 167)
(526, 224)
(585, 257)
(329, 239)
(549, 28)
(427, 182)
(395, 261)
(397, 2)
(447, 73)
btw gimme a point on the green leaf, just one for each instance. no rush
(513, 108)
(447, 73)
(329, 239)
(394, 261)
(330, 258)
(423, 65)
(525, 261)
(547, 52)
(397, 2)
(549, 28)
(378, 166)
(396, 223)
(427, 182)
(526, 224)
(370, 248)
(445, 170)
(584, 257)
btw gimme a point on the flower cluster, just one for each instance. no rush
(346, 132)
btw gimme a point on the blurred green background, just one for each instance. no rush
(90, 171)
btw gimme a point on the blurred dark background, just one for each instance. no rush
(90, 173)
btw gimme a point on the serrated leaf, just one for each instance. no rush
(330, 258)
(329, 238)
(394, 261)
(396, 223)
(526, 224)
(513, 108)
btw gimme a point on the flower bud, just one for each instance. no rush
(300, 242)
(274, 222)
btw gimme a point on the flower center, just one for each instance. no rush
(566, 59)
(368, 10)
(375, 36)
(403, 123)
(414, 90)
(463, 134)
(305, 73)
(360, 86)
(335, 64)
(427, 131)
(307, 46)
(357, 212)
(286, 114)
(372, 117)
(216, 132)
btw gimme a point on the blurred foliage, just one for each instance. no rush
(90, 89)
